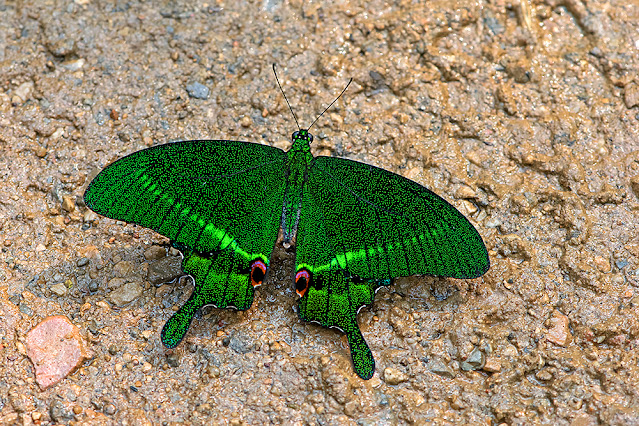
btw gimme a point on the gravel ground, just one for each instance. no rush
(523, 114)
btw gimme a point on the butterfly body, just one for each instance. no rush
(355, 226)
(299, 160)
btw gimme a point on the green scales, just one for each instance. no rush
(354, 226)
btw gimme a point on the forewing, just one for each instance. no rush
(381, 225)
(204, 195)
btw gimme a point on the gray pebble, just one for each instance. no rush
(173, 360)
(165, 270)
(241, 343)
(441, 369)
(25, 309)
(109, 409)
(59, 412)
(126, 294)
(475, 361)
(197, 90)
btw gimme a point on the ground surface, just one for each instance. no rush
(524, 114)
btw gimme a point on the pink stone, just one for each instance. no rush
(56, 349)
(559, 332)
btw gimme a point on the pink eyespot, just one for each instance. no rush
(258, 272)
(302, 280)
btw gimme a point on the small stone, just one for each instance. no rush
(465, 191)
(126, 294)
(246, 121)
(631, 94)
(441, 369)
(56, 349)
(241, 343)
(26, 309)
(559, 332)
(40, 151)
(89, 217)
(60, 289)
(154, 253)
(59, 412)
(393, 376)
(470, 207)
(68, 203)
(83, 261)
(73, 65)
(115, 283)
(475, 361)
(165, 270)
(621, 263)
(173, 360)
(602, 264)
(544, 375)
(492, 365)
(197, 90)
(24, 91)
(123, 268)
(40, 248)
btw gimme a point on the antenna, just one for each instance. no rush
(286, 99)
(340, 95)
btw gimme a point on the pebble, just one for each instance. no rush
(165, 270)
(197, 90)
(492, 365)
(115, 283)
(83, 261)
(631, 95)
(68, 203)
(59, 412)
(123, 268)
(393, 376)
(241, 343)
(126, 294)
(154, 253)
(602, 264)
(89, 217)
(173, 360)
(465, 191)
(73, 65)
(475, 361)
(41, 151)
(56, 349)
(23, 92)
(441, 369)
(559, 333)
(60, 289)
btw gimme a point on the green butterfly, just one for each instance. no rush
(354, 226)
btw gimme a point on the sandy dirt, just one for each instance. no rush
(523, 114)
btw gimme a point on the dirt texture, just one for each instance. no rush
(523, 114)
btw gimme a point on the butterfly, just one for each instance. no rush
(355, 226)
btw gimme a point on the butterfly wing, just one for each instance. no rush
(371, 225)
(220, 202)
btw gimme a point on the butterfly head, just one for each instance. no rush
(303, 135)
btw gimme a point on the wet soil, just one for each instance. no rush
(523, 114)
